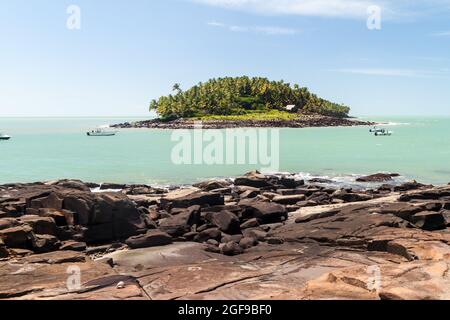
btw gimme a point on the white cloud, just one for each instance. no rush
(332, 8)
(442, 34)
(411, 73)
(266, 30)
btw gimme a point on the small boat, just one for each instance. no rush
(104, 131)
(375, 130)
(4, 137)
(383, 132)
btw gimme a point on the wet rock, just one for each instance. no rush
(378, 177)
(212, 185)
(253, 179)
(291, 183)
(226, 221)
(112, 186)
(320, 181)
(153, 238)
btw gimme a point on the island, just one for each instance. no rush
(245, 102)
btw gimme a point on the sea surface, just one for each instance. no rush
(45, 149)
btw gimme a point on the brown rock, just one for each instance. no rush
(153, 238)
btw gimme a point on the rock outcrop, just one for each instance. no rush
(261, 237)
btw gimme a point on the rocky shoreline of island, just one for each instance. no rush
(304, 121)
(252, 237)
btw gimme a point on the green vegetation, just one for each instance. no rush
(270, 115)
(243, 98)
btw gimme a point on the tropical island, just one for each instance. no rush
(245, 102)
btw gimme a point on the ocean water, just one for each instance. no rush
(54, 148)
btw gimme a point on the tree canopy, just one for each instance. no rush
(237, 96)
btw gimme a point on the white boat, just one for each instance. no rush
(375, 130)
(383, 132)
(4, 136)
(103, 131)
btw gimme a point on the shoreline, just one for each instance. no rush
(259, 233)
(305, 121)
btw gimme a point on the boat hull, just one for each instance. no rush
(5, 138)
(100, 134)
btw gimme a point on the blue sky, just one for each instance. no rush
(129, 52)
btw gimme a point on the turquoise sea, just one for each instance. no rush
(55, 148)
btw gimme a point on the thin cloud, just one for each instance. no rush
(265, 30)
(328, 8)
(410, 73)
(442, 34)
(334, 8)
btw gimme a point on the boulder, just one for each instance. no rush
(181, 223)
(253, 179)
(153, 238)
(291, 183)
(73, 246)
(255, 233)
(287, 200)
(226, 221)
(350, 196)
(73, 184)
(3, 250)
(251, 223)
(378, 177)
(430, 220)
(6, 223)
(231, 249)
(17, 237)
(265, 212)
(61, 217)
(213, 233)
(212, 185)
(231, 238)
(247, 243)
(81, 205)
(40, 225)
(186, 199)
(53, 201)
(43, 243)
(112, 186)
(113, 217)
